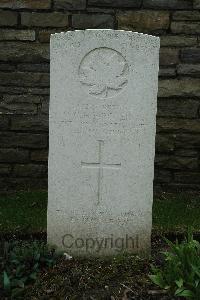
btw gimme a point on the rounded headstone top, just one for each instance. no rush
(115, 33)
(104, 59)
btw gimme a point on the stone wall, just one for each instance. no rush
(25, 28)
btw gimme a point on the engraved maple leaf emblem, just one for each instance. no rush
(104, 71)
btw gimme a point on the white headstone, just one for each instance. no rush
(102, 140)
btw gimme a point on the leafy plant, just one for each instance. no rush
(21, 262)
(180, 274)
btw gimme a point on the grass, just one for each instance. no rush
(94, 278)
(25, 213)
(176, 213)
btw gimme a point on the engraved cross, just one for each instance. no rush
(100, 165)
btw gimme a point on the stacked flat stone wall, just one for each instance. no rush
(25, 28)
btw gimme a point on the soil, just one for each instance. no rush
(119, 278)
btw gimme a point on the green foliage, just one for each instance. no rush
(21, 262)
(176, 212)
(31, 216)
(170, 212)
(180, 274)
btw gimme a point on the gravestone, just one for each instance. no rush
(102, 140)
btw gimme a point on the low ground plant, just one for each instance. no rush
(20, 263)
(180, 273)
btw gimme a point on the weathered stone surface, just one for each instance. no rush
(168, 4)
(116, 3)
(99, 122)
(5, 169)
(20, 35)
(39, 155)
(164, 143)
(189, 69)
(42, 67)
(24, 90)
(4, 122)
(30, 170)
(30, 123)
(173, 187)
(85, 21)
(14, 155)
(32, 99)
(70, 4)
(157, 187)
(11, 184)
(19, 104)
(167, 72)
(186, 153)
(191, 55)
(26, 140)
(178, 41)
(54, 19)
(186, 177)
(43, 108)
(178, 108)
(24, 78)
(17, 108)
(169, 56)
(8, 18)
(44, 35)
(29, 4)
(162, 176)
(176, 162)
(24, 52)
(102, 10)
(185, 27)
(183, 87)
(187, 140)
(196, 4)
(183, 125)
(7, 67)
(20, 54)
(186, 15)
(143, 20)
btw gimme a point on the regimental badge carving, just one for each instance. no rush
(103, 72)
